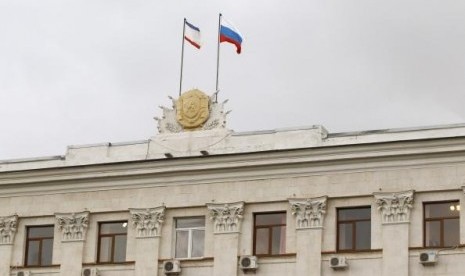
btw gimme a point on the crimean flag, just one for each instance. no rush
(192, 35)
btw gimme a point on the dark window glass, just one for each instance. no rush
(441, 224)
(39, 245)
(190, 237)
(354, 229)
(270, 234)
(112, 242)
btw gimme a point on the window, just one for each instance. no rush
(190, 237)
(269, 234)
(39, 245)
(112, 242)
(441, 224)
(354, 229)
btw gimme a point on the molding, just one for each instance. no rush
(8, 227)
(148, 222)
(73, 226)
(309, 212)
(226, 217)
(395, 207)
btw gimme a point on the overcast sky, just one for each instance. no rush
(90, 71)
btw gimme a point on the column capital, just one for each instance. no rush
(148, 221)
(309, 212)
(226, 217)
(8, 226)
(73, 226)
(395, 207)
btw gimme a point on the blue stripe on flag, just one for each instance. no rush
(192, 26)
(230, 33)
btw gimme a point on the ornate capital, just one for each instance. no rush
(227, 217)
(73, 226)
(148, 222)
(309, 212)
(395, 207)
(8, 227)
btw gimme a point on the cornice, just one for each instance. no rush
(221, 168)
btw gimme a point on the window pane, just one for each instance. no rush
(262, 238)
(441, 210)
(345, 236)
(198, 242)
(278, 241)
(182, 244)
(120, 249)
(354, 214)
(270, 219)
(363, 235)
(40, 232)
(433, 233)
(113, 228)
(33, 253)
(190, 222)
(105, 249)
(47, 249)
(451, 232)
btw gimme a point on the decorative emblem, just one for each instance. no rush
(309, 212)
(226, 217)
(395, 207)
(148, 222)
(73, 226)
(8, 227)
(192, 109)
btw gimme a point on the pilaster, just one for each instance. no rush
(227, 219)
(8, 227)
(147, 223)
(309, 214)
(73, 227)
(395, 211)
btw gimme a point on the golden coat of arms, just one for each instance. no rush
(192, 109)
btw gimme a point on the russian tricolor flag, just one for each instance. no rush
(192, 34)
(228, 33)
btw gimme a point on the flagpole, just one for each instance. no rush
(218, 59)
(182, 55)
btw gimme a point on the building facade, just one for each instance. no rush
(214, 202)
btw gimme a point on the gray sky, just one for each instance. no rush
(90, 71)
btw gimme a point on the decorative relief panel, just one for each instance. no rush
(395, 207)
(148, 222)
(309, 212)
(194, 110)
(8, 227)
(227, 217)
(73, 226)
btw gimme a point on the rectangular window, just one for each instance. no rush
(354, 229)
(270, 234)
(190, 237)
(441, 224)
(112, 242)
(39, 245)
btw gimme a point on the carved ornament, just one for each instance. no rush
(395, 207)
(148, 222)
(194, 110)
(8, 226)
(309, 212)
(227, 217)
(73, 226)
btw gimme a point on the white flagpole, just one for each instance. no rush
(218, 60)
(182, 55)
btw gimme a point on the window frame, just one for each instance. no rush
(99, 240)
(440, 219)
(26, 256)
(353, 222)
(270, 233)
(190, 238)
